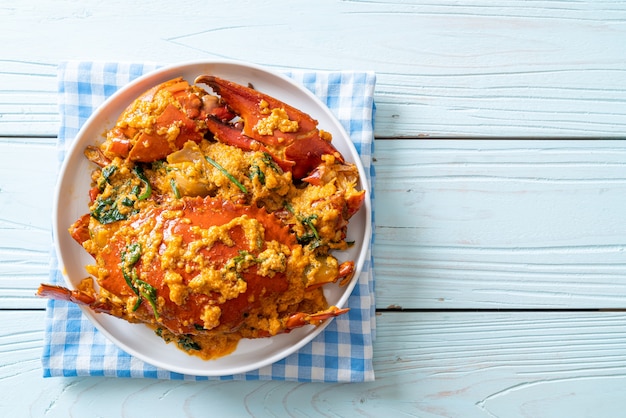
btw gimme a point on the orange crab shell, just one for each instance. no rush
(203, 213)
(177, 112)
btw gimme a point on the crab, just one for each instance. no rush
(202, 266)
(291, 136)
(215, 268)
(177, 112)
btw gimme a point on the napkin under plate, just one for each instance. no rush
(341, 353)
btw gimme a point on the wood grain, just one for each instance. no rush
(493, 224)
(515, 69)
(526, 228)
(427, 364)
(27, 180)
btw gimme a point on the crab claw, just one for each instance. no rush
(254, 107)
(290, 135)
(300, 319)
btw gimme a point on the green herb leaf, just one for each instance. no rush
(132, 254)
(106, 211)
(269, 161)
(128, 202)
(149, 293)
(243, 257)
(308, 221)
(289, 208)
(186, 343)
(148, 189)
(107, 172)
(174, 187)
(226, 173)
(255, 171)
(129, 257)
(311, 238)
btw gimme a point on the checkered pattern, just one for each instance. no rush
(341, 353)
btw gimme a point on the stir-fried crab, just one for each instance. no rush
(212, 217)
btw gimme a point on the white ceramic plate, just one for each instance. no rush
(71, 202)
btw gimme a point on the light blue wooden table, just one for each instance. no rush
(501, 199)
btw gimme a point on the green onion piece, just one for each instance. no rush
(255, 171)
(174, 187)
(130, 257)
(107, 172)
(148, 292)
(227, 174)
(312, 238)
(308, 221)
(315, 243)
(140, 174)
(289, 208)
(269, 161)
(243, 257)
(132, 254)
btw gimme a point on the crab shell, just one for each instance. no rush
(175, 113)
(188, 221)
(181, 112)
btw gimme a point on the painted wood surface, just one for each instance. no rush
(519, 364)
(505, 68)
(499, 254)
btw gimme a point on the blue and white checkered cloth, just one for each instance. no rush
(341, 353)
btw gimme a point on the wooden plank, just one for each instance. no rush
(28, 98)
(459, 224)
(27, 180)
(517, 224)
(515, 69)
(462, 364)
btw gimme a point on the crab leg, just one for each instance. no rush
(62, 293)
(300, 319)
(78, 297)
(346, 272)
(80, 229)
